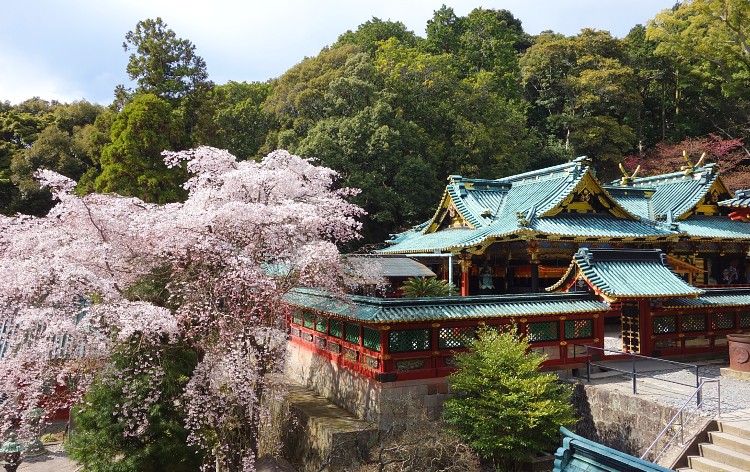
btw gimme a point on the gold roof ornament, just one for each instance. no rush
(690, 168)
(627, 180)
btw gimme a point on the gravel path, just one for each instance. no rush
(675, 387)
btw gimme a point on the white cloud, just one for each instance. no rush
(25, 78)
(75, 48)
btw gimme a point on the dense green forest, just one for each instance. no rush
(396, 113)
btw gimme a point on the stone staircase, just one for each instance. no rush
(727, 451)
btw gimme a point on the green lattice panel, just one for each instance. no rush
(321, 324)
(409, 340)
(542, 331)
(722, 321)
(351, 333)
(694, 322)
(297, 318)
(744, 320)
(578, 329)
(371, 338)
(665, 324)
(456, 338)
(334, 328)
(309, 320)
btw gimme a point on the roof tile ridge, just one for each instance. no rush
(698, 170)
(466, 211)
(579, 161)
(554, 198)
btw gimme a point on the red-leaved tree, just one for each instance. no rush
(731, 155)
(248, 233)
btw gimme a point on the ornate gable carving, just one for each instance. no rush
(589, 197)
(708, 205)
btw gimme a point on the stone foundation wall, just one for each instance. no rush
(618, 420)
(363, 397)
(313, 433)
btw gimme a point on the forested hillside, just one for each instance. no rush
(396, 113)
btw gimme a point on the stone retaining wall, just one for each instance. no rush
(613, 418)
(309, 431)
(619, 420)
(363, 397)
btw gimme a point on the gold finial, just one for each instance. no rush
(628, 179)
(690, 168)
(700, 161)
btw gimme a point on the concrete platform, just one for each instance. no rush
(55, 461)
(735, 374)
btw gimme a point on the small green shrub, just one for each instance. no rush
(504, 407)
(419, 287)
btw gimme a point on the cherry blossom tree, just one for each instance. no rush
(247, 233)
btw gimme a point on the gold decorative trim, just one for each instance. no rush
(523, 320)
(385, 328)
(563, 343)
(435, 353)
(435, 325)
(563, 318)
(596, 340)
(386, 357)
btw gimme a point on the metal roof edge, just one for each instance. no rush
(708, 167)
(579, 161)
(447, 301)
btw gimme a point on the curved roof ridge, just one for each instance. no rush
(622, 273)
(461, 207)
(554, 198)
(741, 199)
(699, 170)
(579, 161)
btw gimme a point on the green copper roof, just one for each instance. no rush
(676, 193)
(714, 297)
(578, 454)
(529, 205)
(636, 200)
(596, 225)
(572, 225)
(741, 200)
(402, 310)
(628, 273)
(715, 227)
(448, 240)
(515, 206)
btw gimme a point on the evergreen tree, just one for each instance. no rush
(504, 407)
(132, 164)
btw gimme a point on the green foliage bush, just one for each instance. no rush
(97, 439)
(504, 407)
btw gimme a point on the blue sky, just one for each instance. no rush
(72, 49)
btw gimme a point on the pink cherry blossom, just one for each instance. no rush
(248, 232)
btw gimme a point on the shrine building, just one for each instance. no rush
(519, 233)
(656, 266)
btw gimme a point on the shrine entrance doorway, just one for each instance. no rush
(631, 327)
